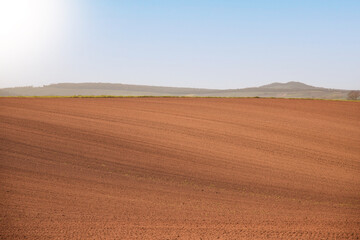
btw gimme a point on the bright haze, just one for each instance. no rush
(202, 44)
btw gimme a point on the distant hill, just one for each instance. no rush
(280, 90)
(286, 90)
(289, 85)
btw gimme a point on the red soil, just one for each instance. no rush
(179, 168)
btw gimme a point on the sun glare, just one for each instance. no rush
(29, 29)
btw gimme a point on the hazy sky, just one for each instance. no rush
(207, 44)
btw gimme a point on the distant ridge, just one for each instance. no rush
(128, 87)
(279, 90)
(288, 85)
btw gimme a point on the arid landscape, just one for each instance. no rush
(179, 168)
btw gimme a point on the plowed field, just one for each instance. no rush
(179, 168)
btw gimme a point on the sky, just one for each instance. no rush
(217, 44)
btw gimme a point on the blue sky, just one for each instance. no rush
(207, 44)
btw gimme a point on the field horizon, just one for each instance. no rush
(278, 90)
(179, 120)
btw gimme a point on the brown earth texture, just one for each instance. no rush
(179, 168)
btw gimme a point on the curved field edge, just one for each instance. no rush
(151, 96)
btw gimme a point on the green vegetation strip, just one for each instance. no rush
(150, 96)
